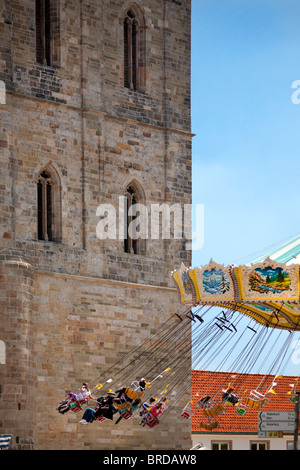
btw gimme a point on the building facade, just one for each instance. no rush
(254, 429)
(96, 118)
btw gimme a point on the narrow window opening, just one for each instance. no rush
(39, 33)
(43, 32)
(47, 32)
(130, 51)
(126, 61)
(130, 242)
(134, 54)
(45, 215)
(49, 208)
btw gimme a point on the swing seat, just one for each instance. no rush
(79, 402)
(231, 400)
(77, 405)
(209, 426)
(100, 418)
(204, 403)
(185, 414)
(215, 411)
(256, 404)
(133, 395)
(256, 400)
(241, 410)
(121, 406)
(150, 420)
(76, 408)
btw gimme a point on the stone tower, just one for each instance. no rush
(96, 113)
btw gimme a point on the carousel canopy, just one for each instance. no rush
(267, 289)
(288, 253)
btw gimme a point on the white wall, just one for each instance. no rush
(242, 441)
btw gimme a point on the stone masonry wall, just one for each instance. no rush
(71, 307)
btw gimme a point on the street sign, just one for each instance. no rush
(271, 421)
(276, 416)
(276, 426)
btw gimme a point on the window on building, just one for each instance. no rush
(290, 445)
(130, 33)
(130, 242)
(134, 50)
(48, 207)
(259, 445)
(42, 18)
(136, 222)
(44, 195)
(47, 32)
(221, 445)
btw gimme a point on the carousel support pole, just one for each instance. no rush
(296, 429)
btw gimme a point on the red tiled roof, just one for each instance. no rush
(212, 383)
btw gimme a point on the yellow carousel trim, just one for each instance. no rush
(193, 277)
(270, 320)
(186, 291)
(238, 275)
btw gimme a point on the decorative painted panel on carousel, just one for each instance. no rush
(213, 283)
(268, 281)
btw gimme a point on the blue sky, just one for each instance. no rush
(246, 165)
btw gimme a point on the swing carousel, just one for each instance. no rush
(267, 292)
(258, 316)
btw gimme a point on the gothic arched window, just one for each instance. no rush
(134, 50)
(136, 221)
(130, 59)
(48, 207)
(47, 32)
